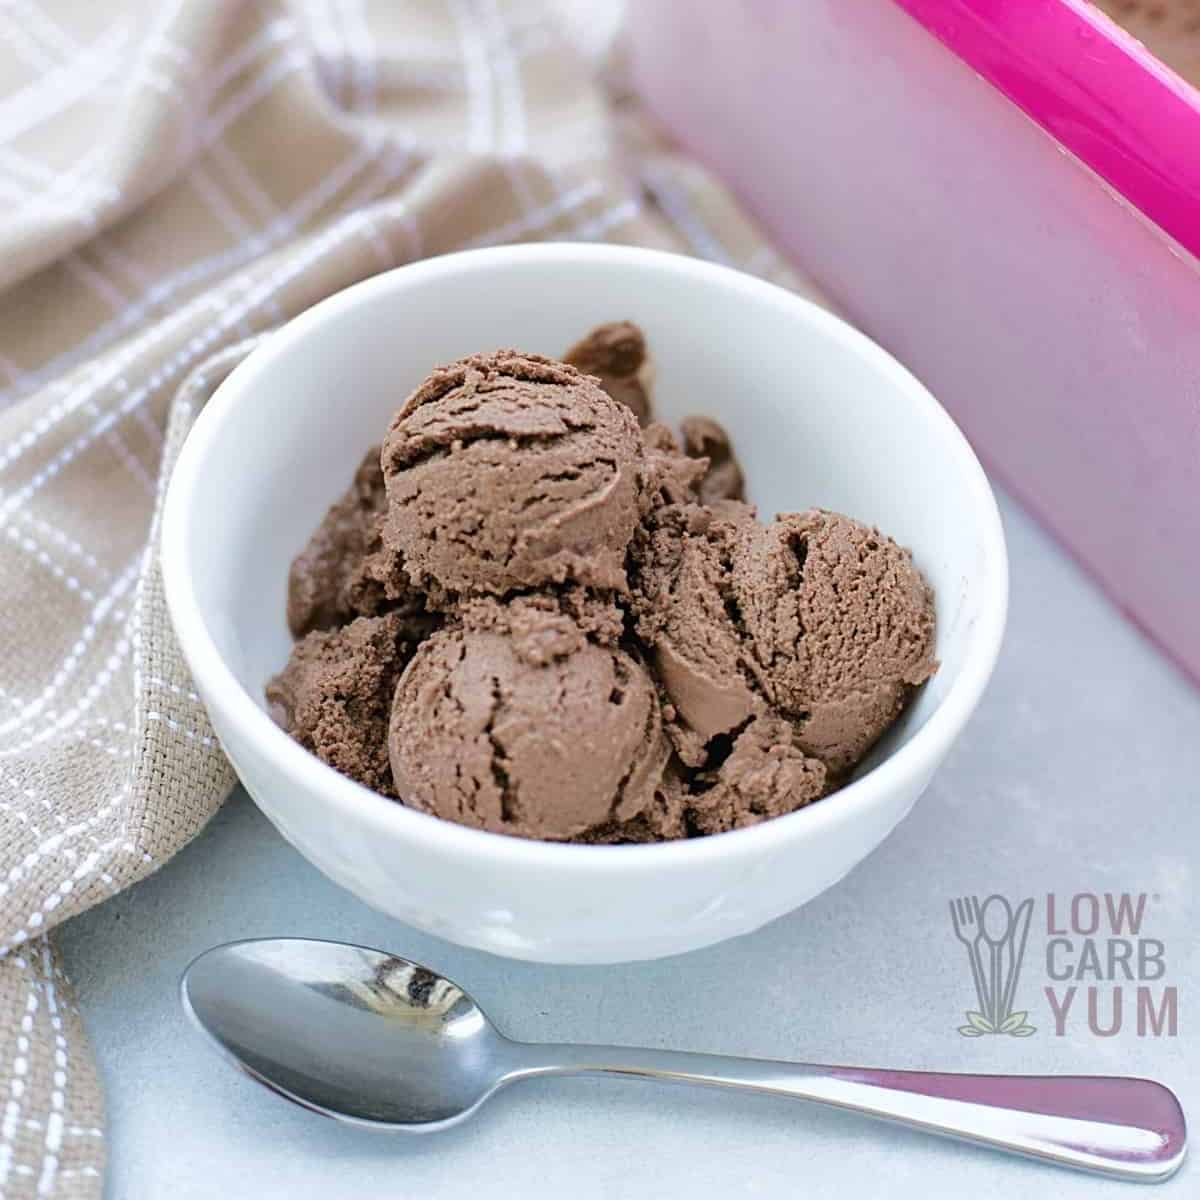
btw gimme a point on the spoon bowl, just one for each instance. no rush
(348, 1032)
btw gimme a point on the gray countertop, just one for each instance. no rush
(1079, 774)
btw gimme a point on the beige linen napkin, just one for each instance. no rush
(179, 176)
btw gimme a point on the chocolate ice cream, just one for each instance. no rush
(530, 616)
(517, 721)
(748, 777)
(682, 573)
(705, 438)
(673, 477)
(765, 775)
(508, 471)
(345, 571)
(1169, 29)
(616, 355)
(814, 618)
(335, 694)
(841, 627)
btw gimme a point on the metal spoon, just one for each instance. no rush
(376, 1040)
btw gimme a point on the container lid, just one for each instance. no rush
(1098, 91)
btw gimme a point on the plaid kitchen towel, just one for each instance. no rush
(178, 177)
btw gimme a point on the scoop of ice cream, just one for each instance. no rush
(683, 565)
(664, 819)
(748, 777)
(671, 476)
(335, 694)
(814, 617)
(508, 471)
(515, 720)
(722, 480)
(841, 627)
(345, 571)
(765, 775)
(615, 354)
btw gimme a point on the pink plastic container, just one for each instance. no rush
(1004, 193)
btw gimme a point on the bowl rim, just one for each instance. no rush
(218, 685)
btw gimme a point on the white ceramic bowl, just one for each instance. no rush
(820, 416)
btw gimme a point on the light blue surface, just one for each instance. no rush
(1080, 772)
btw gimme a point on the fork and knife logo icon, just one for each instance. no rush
(994, 934)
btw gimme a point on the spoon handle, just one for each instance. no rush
(1129, 1128)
